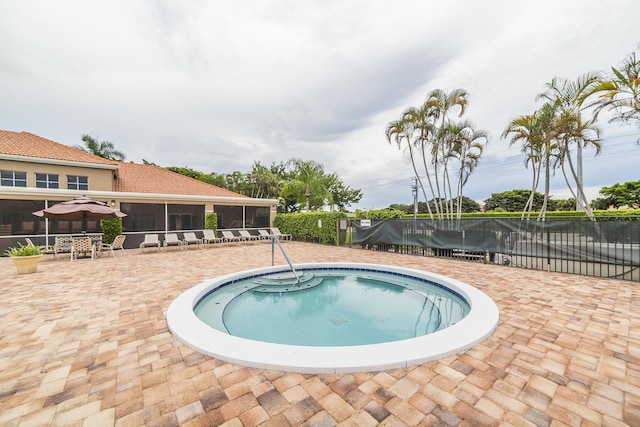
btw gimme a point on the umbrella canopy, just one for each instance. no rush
(80, 208)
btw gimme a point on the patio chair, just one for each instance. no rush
(229, 237)
(150, 241)
(47, 249)
(189, 238)
(276, 232)
(248, 236)
(209, 237)
(82, 246)
(118, 243)
(62, 245)
(171, 239)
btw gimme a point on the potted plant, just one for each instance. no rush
(25, 257)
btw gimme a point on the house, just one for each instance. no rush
(36, 172)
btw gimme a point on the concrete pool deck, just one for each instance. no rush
(86, 343)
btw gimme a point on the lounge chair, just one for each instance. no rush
(189, 238)
(47, 249)
(276, 232)
(171, 239)
(118, 243)
(150, 241)
(82, 246)
(264, 234)
(248, 236)
(229, 237)
(209, 237)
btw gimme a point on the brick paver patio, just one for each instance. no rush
(86, 343)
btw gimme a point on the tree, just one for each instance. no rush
(621, 195)
(262, 182)
(309, 184)
(620, 92)
(211, 178)
(466, 145)
(567, 97)
(342, 195)
(534, 133)
(402, 132)
(515, 200)
(104, 149)
(438, 106)
(444, 145)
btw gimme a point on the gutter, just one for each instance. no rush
(130, 196)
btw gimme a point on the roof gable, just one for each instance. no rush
(29, 145)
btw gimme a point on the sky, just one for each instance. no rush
(219, 85)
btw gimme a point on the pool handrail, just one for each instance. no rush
(275, 239)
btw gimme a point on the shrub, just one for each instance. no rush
(111, 228)
(211, 222)
(23, 250)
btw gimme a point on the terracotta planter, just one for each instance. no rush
(26, 264)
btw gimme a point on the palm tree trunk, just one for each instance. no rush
(583, 199)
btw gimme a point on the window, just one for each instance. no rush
(77, 182)
(13, 179)
(47, 180)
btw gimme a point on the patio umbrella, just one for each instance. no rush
(80, 208)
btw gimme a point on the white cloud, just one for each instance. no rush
(216, 86)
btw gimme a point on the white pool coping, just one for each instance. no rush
(474, 328)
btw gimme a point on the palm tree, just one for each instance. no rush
(568, 96)
(104, 149)
(309, 184)
(401, 132)
(535, 131)
(438, 106)
(416, 128)
(621, 92)
(467, 144)
(570, 128)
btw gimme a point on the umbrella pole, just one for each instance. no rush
(46, 225)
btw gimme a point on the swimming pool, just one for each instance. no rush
(428, 324)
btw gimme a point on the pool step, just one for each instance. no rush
(286, 278)
(275, 286)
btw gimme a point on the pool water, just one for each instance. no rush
(331, 307)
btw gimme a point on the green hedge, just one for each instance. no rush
(305, 225)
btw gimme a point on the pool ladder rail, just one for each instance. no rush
(274, 240)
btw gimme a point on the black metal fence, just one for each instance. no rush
(609, 247)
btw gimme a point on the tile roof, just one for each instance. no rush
(30, 145)
(137, 178)
(132, 177)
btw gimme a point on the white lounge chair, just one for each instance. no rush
(264, 234)
(248, 236)
(171, 239)
(189, 238)
(276, 232)
(229, 237)
(209, 237)
(150, 241)
(118, 243)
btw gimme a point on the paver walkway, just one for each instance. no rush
(86, 343)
